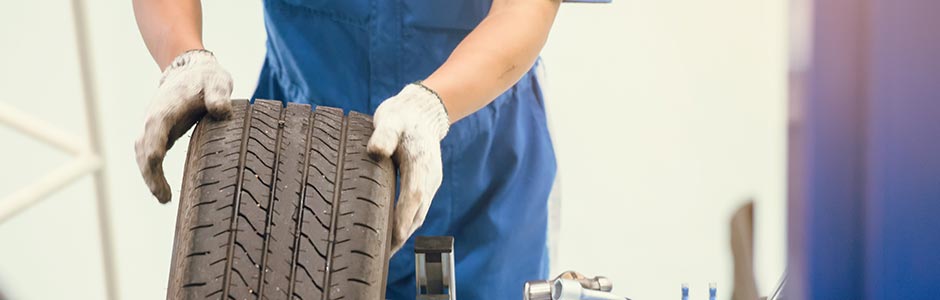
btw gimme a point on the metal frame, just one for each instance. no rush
(87, 154)
(434, 268)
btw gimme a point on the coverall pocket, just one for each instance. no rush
(445, 14)
(353, 10)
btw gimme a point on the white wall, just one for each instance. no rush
(666, 115)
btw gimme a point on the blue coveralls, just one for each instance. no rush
(498, 162)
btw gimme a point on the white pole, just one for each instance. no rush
(40, 130)
(86, 66)
(55, 180)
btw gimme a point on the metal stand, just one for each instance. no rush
(434, 268)
(87, 155)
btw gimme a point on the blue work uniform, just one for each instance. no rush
(499, 164)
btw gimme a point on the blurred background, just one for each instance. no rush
(666, 115)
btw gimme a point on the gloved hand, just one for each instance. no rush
(193, 84)
(410, 126)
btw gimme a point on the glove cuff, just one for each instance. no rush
(430, 105)
(188, 58)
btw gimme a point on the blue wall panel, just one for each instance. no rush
(865, 207)
(903, 203)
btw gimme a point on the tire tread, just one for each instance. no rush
(282, 202)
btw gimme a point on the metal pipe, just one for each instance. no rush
(86, 67)
(40, 130)
(570, 289)
(542, 289)
(32, 193)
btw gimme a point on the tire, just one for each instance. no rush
(285, 240)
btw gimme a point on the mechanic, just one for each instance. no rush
(456, 102)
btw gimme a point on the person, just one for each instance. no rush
(453, 89)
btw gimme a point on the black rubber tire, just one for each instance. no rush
(285, 240)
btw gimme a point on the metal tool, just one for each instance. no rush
(435, 279)
(434, 268)
(546, 289)
(570, 289)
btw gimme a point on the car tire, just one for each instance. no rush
(283, 202)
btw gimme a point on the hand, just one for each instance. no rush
(411, 126)
(193, 84)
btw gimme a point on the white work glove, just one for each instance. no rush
(409, 127)
(192, 85)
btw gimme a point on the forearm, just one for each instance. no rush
(169, 27)
(494, 56)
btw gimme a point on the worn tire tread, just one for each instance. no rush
(282, 202)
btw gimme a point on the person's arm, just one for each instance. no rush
(193, 83)
(169, 27)
(494, 56)
(410, 126)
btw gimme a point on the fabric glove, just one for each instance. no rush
(409, 128)
(192, 85)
